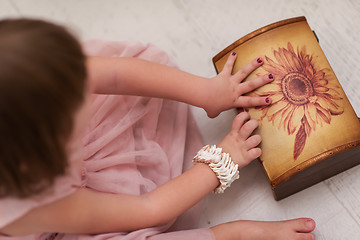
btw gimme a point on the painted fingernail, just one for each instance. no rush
(233, 53)
(267, 100)
(259, 60)
(271, 76)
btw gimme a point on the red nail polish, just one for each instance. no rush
(259, 60)
(233, 53)
(271, 76)
(267, 100)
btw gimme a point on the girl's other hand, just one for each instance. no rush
(226, 90)
(239, 143)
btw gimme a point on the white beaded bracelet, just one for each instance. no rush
(220, 163)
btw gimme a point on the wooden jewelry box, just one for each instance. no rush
(310, 131)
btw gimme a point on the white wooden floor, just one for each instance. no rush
(192, 32)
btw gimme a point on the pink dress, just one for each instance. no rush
(132, 145)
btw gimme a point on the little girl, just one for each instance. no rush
(84, 156)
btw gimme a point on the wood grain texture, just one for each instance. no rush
(192, 32)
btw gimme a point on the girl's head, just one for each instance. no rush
(42, 82)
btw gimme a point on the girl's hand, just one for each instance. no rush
(226, 90)
(239, 143)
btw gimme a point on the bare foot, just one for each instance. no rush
(296, 229)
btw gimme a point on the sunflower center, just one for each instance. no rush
(297, 88)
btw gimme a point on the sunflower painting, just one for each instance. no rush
(310, 131)
(304, 97)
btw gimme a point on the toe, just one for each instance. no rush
(305, 236)
(303, 225)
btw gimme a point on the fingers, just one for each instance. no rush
(247, 101)
(247, 129)
(244, 146)
(229, 64)
(252, 142)
(243, 126)
(239, 121)
(253, 84)
(249, 68)
(254, 153)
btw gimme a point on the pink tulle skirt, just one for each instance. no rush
(135, 144)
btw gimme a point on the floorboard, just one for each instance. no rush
(192, 32)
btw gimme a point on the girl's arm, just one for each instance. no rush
(133, 76)
(91, 212)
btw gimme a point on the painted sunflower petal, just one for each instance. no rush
(298, 64)
(333, 93)
(313, 99)
(329, 105)
(310, 113)
(302, 52)
(264, 94)
(285, 116)
(336, 109)
(287, 64)
(279, 58)
(290, 48)
(270, 88)
(295, 62)
(324, 103)
(319, 82)
(307, 126)
(333, 97)
(296, 117)
(321, 89)
(290, 61)
(291, 127)
(309, 69)
(272, 64)
(319, 79)
(277, 97)
(276, 107)
(323, 114)
(277, 72)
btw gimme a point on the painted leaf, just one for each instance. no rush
(300, 140)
